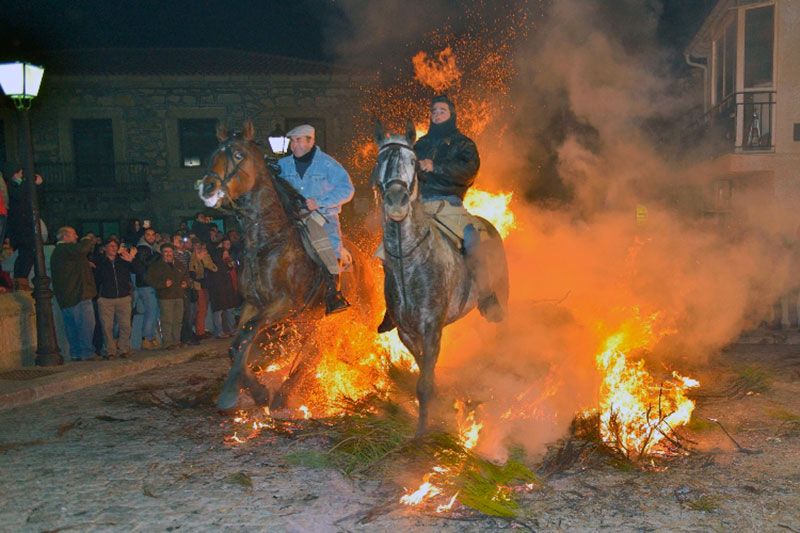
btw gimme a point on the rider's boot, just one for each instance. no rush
(387, 324)
(335, 302)
(488, 304)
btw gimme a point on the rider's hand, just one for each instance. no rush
(312, 204)
(38, 179)
(169, 283)
(184, 285)
(426, 165)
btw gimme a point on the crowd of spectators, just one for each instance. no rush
(100, 285)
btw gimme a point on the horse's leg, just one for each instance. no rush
(426, 356)
(306, 359)
(240, 374)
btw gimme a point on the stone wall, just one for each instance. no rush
(145, 111)
(17, 330)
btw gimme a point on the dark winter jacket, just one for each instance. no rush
(113, 279)
(147, 254)
(161, 271)
(455, 164)
(20, 219)
(221, 292)
(73, 280)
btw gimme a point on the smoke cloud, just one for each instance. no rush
(612, 223)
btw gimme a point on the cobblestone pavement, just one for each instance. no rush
(147, 453)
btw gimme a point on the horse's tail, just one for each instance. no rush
(497, 264)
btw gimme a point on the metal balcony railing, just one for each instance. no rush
(743, 122)
(128, 176)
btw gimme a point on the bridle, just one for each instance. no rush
(383, 188)
(226, 148)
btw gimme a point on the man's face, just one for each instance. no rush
(111, 249)
(168, 254)
(234, 236)
(440, 112)
(301, 145)
(150, 236)
(177, 241)
(70, 236)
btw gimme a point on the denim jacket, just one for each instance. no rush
(325, 181)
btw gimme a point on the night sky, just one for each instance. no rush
(297, 28)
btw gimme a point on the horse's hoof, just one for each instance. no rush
(279, 401)
(228, 399)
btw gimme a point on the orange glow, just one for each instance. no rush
(636, 411)
(493, 207)
(468, 431)
(439, 73)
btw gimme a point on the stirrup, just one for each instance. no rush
(335, 302)
(387, 324)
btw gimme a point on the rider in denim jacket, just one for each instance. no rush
(326, 186)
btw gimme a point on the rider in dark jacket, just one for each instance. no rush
(448, 159)
(448, 162)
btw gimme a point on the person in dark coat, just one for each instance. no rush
(20, 227)
(222, 294)
(74, 288)
(112, 275)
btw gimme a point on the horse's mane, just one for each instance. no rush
(291, 200)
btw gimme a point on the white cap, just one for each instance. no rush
(301, 131)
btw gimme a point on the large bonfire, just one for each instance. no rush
(636, 411)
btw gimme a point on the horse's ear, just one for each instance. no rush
(248, 130)
(411, 131)
(380, 133)
(222, 133)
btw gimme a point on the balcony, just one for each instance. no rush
(124, 177)
(742, 123)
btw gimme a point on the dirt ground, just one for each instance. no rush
(148, 454)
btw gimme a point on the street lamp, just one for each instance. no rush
(278, 141)
(20, 81)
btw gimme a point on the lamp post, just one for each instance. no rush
(278, 141)
(20, 81)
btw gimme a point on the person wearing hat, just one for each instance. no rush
(326, 186)
(448, 162)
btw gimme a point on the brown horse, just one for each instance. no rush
(278, 279)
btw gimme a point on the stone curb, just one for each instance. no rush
(77, 376)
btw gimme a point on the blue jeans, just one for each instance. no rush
(147, 296)
(79, 327)
(3, 225)
(216, 316)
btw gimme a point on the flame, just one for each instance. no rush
(636, 412)
(493, 207)
(439, 73)
(468, 431)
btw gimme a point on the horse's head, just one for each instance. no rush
(395, 174)
(233, 169)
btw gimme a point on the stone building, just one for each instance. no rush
(124, 134)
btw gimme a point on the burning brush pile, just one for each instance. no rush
(355, 388)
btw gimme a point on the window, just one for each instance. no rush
(719, 54)
(319, 128)
(198, 140)
(759, 27)
(730, 58)
(93, 143)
